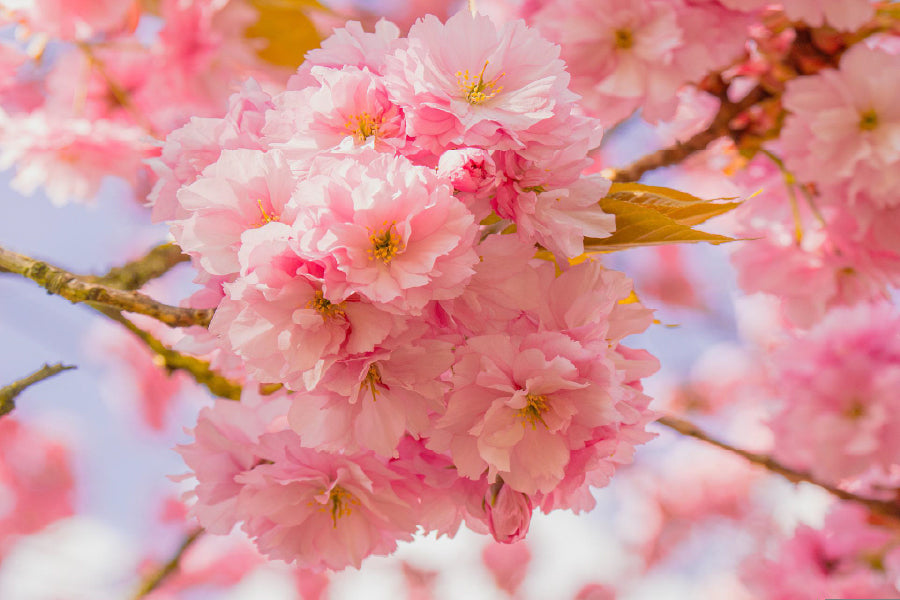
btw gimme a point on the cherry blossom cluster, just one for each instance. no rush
(89, 91)
(389, 240)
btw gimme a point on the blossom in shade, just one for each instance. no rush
(466, 83)
(321, 510)
(521, 405)
(838, 414)
(370, 401)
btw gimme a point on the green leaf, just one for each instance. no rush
(286, 26)
(651, 215)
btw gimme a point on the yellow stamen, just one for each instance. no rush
(533, 412)
(325, 307)
(386, 243)
(868, 121)
(478, 91)
(373, 378)
(266, 217)
(339, 504)
(624, 38)
(363, 126)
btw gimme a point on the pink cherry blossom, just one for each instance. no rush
(837, 416)
(845, 126)
(509, 514)
(388, 230)
(321, 510)
(244, 189)
(505, 82)
(508, 563)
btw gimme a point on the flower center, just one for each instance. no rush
(386, 243)
(533, 411)
(266, 217)
(478, 91)
(868, 120)
(325, 307)
(373, 378)
(339, 503)
(363, 126)
(624, 38)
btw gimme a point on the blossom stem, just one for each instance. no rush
(76, 289)
(175, 361)
(720, 126)
(9, 392)
(890, 510)
(155, 579)
(133, 275)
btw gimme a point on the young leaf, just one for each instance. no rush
(286, 30)
(651, 215)
(681, 207)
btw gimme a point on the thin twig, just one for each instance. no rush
(133, 275)
(676, 153)
(155, 579)
(8, 393)
(75, 289)
(175, 361)
(890, 510)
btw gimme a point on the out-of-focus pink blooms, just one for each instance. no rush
(138, 376)
(321, 510)
(508, 563)
(839, 561)
(388, 230)
(505, 83)
(69, 157)
(595, 591)
(840, 14)
(419, 582)
(36, 482)
(838, 415)
(620, 54)
(508, 514)
(74, 19)
(845, 125)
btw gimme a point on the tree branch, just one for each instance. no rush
(155, 579)
(672, 155)
(8, 393)
(890, 510)
(76, 289)
(133, 275)
(175, 361)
